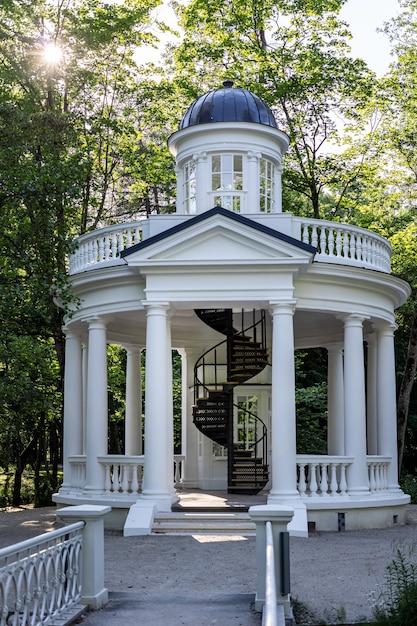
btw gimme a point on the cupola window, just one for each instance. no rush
(266, 186)
(190, 187)
(226, 181)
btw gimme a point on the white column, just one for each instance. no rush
(190, 433)
(252, 183)
(371, 395)
(387, 409)
(170, 414)
(133, 418)
(73, 405)
(97, 413)
(335, 401)
(355, 409)
(85, 385)
(156, 486)
(283, 427)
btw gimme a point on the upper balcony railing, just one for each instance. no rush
(338, 243)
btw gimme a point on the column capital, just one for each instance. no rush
(283, 306)
(132, 348)
(70, 333)
(334, 348)
(353, 319)
(200, 156)
(155, 305)
(254, 156)
(386, 328)
(95, 322)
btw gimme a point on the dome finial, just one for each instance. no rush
(227, 84)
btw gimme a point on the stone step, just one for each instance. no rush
(203, 523)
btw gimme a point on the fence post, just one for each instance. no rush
(279, 516)
(93, 593)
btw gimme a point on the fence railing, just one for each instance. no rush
(40, 579)
(48, 580)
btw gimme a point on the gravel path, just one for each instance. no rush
(207, 580)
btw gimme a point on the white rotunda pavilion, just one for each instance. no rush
(235, 285)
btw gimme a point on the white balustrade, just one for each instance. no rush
(322, 475)
(346, 244)
(335, 242)
(179, 467)
(103, 246)
(78, 466)
(123, 474)
(378, 473)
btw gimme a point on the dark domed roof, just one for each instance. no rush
(228, 104)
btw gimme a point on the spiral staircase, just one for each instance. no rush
(230, 363)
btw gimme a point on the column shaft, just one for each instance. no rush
(387, 409)
(156, 485)
(283, 427)
(97, 413)
(355, 410)
(73, 405)
(133, 420)
(371, 396)
(335, 401)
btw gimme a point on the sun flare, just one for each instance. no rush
(52, 54)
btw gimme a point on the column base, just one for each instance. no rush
(298, 527)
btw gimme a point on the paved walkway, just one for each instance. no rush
(210, 580)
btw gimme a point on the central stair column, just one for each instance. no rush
(283, 440)
(157, 487)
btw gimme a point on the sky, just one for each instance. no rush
(364, 18)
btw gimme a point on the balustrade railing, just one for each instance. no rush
(322, 475)
(378, 473)
(335, 242)
(103, 245)
(346, 244)
(122, 474)
(40, 579)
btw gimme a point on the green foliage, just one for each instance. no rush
(397, 605)
(408, 484)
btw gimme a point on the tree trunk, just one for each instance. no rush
(406, 388)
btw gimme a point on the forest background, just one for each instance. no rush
(84, 122)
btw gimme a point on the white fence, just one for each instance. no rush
(40, 579)
(47, 581)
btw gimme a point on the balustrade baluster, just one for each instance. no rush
(343, 482)
(377, 477)
(107, 478)
(121, 243)
(135, 483)
(314, 236)
(345, 244)
(128, 238)
(302, 485)
(305, 234)
(113, 252)
(137, 234)
(90, 258)
(323, 240)
(333, 479)
(338, 243)
(324, 480)
(312, 475)
(116, 477)
(101, 249)
(353, 246)
(124, 483)
(330, 242)
(372, 481)
(95, 251)
(107, 244)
